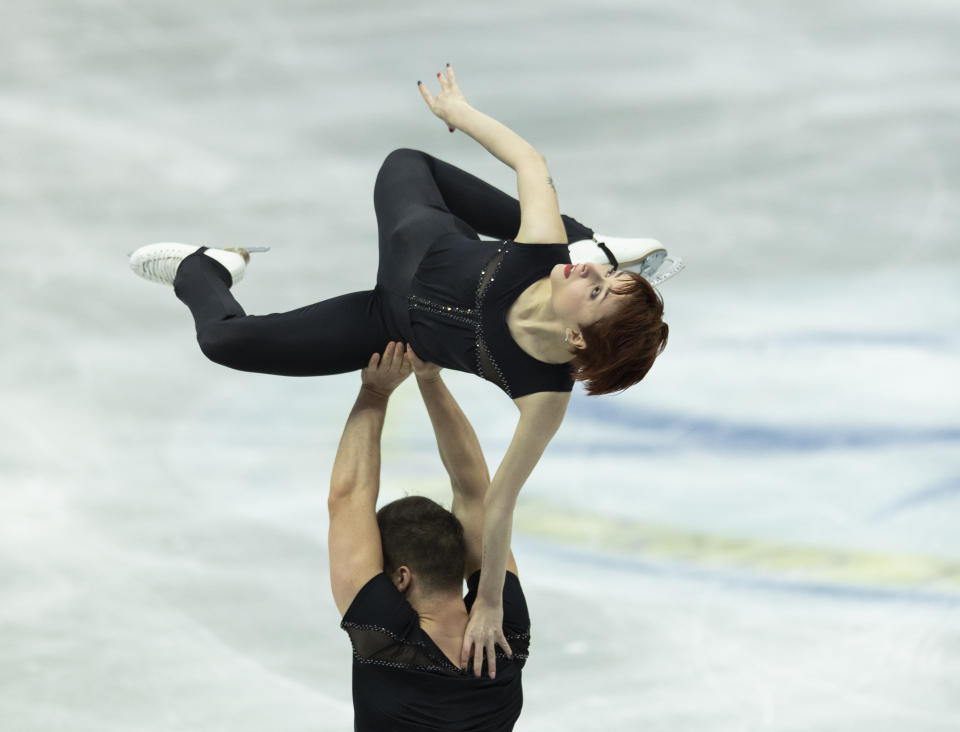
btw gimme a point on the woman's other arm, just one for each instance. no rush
(540, 220)
(540, 416)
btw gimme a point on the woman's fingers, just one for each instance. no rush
(491, 659)
(425, 93)
(504, 645)
(446, 81)
(478, 661)
(447, 78)
(465, 653)
(448, 87)
(501, 640)
(374, 360)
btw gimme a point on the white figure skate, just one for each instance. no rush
(159, 262)
(646, 257)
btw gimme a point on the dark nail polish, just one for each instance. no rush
(419, 83)
(448, 66)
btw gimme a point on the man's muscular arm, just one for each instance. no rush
(462, 456)
(356, 554)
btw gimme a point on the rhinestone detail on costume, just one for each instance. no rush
(467, 316)
(438, 665)
(486, 366)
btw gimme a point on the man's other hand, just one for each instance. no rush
(423, 370)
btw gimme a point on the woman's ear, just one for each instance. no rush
(575, 339)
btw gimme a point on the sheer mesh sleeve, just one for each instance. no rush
(382, 627)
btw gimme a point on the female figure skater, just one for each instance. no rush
(516, 311)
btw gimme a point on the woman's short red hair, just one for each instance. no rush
(621, 348)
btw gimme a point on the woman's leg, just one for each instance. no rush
(410, 177)
(330, 337)
(411, 216)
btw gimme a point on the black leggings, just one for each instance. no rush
(418, 199)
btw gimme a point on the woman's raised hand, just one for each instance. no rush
(449, 102)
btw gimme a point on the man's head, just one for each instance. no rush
(423, 536)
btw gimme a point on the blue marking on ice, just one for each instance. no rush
(704, 432)
(945, 489)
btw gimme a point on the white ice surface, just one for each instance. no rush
(761, 536)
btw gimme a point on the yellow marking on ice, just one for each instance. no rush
(624, 536)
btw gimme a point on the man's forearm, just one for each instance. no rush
(502, 142)
(357, 465)
(457, 442)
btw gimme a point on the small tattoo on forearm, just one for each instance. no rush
(550, 183)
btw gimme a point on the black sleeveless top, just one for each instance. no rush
(458, 303)
(403, 682)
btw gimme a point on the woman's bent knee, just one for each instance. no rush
(221, 344)
(401, 160)
(404, 154)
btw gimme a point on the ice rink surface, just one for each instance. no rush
(763, 535)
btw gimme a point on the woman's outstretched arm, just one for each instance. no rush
(540, 416)
(540, 220)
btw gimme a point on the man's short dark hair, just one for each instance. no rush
(426, 537)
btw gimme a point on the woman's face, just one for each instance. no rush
(584, 293)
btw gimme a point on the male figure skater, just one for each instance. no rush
(397, 573)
